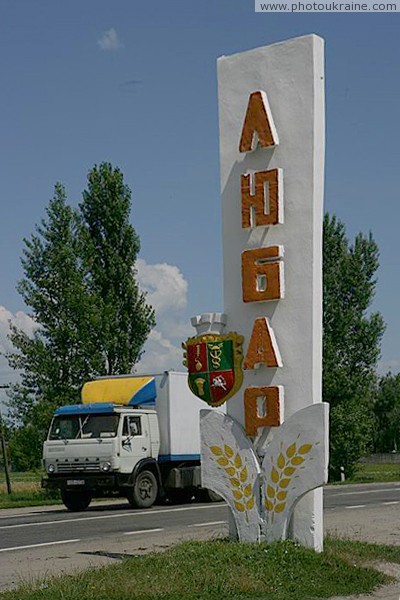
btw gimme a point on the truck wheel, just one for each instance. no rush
(145, 490)
(76, 501)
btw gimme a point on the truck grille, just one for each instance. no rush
(78, 466)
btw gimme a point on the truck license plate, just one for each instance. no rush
(75, 482)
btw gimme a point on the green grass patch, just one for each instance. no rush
(376, 472)
(26, 491)
(361, 552)
(26, 499)
(224, 569)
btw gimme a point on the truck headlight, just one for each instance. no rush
(51, 468)
(105, 466)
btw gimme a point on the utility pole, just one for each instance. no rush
(3, 447)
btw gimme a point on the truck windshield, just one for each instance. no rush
(74, 427)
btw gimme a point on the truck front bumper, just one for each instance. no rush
(98, 483)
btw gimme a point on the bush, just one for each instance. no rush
(25, 449)
(351, 434)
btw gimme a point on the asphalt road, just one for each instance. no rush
(361, 496)
(38, 541)
(39, 527)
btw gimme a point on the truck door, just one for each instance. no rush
(135, 441)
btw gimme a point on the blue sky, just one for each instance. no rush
(134, 83)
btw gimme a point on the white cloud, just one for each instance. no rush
(165, 286)
(166, 290)
(109, 40)
(22, 321)
(161, 354)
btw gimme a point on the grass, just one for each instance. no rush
(26, 491)
(225, 569)
(361, 552)
(376, 472)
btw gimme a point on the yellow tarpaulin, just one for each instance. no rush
(119, 390)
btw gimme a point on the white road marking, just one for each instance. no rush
(143, 531)
(210, 523)
(38, 545)
(138, 513)
(392, 489)
(394, 502)
(356, 506)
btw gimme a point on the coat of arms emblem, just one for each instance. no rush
(214, 364)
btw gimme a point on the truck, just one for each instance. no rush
(132, 436)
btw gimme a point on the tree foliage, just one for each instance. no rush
(387, 411)
(79, 283)
(109, 249)
(351, 342)
(25, 448)
(60, 353)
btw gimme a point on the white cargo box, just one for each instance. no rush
(178, 415)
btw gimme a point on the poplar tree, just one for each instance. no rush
(351, 343)
(109, 247)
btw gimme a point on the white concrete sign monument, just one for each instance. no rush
(268, 455)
